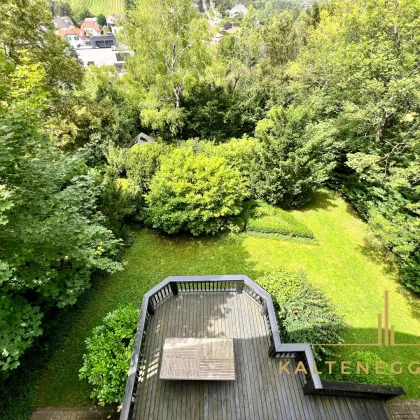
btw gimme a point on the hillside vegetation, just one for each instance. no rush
(96, 7)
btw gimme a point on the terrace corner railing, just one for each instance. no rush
(174, 285)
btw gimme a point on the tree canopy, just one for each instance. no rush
(169, 40)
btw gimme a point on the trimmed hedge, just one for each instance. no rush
(268, 219)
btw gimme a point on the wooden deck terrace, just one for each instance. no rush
(240, 310)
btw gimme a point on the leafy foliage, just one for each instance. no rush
(95, 116)
(269, 219)
(19, 325)
(360, 65)
(34, 39)
(237, 152)
(52, 234)
(60, 8)
(127, 179)
(305, 314)
(194, 193)
(106, 362)
(101, 19)
(292, 163)
(169, 38)
(138, 164)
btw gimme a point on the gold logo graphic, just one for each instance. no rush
(389, 339)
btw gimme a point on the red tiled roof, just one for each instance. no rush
(90, 25)
(71, 31)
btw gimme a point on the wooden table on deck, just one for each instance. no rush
(205, 359)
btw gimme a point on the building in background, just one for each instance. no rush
(114, 23)
(103, 41)
(74, 36)
(90, 28)
(63, 22)
(237, 10)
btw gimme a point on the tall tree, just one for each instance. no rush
(52, 236)
(169, 39)
(26, 27)
(101, 19)
(362, 64)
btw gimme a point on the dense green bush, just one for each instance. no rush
(268, 219)
(137, 165)
(365, 358)
(195, 193)
(237, 152)
(20, 323)
(125, 181)
(292, 162)
(305, 314)
(107, 360)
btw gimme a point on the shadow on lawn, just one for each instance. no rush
(376, 252)
(381, 256)
(321, 200)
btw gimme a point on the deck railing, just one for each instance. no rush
(173, 286)
(312, 383)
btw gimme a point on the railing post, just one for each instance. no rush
(264, 310)
(174, 288)
(150, 308)
(239, 286)
(309, 387)
(272, 351)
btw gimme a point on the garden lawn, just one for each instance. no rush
(344, 261)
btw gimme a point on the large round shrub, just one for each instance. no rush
(194, 193)
(107, 359)
(305, 314)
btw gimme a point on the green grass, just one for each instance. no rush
(344, 261)
(96, 7)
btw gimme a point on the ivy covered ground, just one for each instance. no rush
(344, 260)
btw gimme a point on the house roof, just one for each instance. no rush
(232, 30)
(90, 25)
(71, 31)
(114, 18)
(238, 8)
(63, 22)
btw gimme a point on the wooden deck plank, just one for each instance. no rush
(254, 403)
(259, 391)
(258, 383)
(240, 383)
